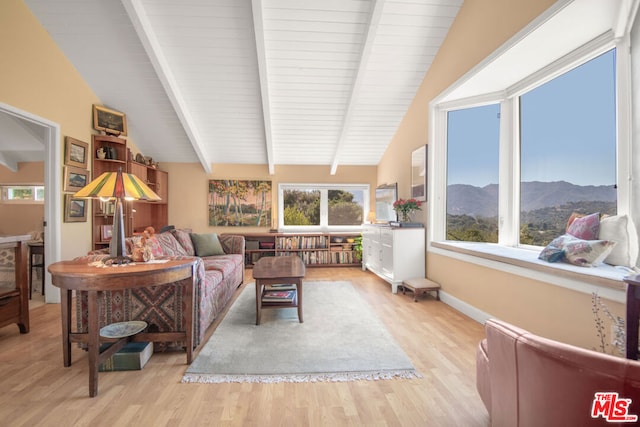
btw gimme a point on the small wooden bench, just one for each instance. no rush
(420, 286)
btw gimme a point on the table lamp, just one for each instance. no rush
(119, 186)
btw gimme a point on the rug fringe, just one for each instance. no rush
(301, 378)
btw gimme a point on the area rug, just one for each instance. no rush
(341, 339)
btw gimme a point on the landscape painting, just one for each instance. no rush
(239, 203)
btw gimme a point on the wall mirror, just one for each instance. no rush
(419, 173)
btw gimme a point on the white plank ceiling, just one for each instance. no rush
(274, 82)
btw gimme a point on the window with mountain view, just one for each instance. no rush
(320, 206)
(568, 149)
(473, 145)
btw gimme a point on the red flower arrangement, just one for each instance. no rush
(406, 207)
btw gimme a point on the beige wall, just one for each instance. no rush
(37, 78)
(480, 28)
(22, 218)
(189, 185)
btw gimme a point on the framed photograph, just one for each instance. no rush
(75, 210)
(106, 231)
(75, 178)
(76, 153)
(110, 121)
(419, 173)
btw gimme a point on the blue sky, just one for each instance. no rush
(568, 132)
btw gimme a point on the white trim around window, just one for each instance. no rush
(324, 211)
(509, 162)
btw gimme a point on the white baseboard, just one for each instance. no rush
(466, 309)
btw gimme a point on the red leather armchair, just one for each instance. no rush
(527, 380)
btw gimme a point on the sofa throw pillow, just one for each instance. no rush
(183, 236)
(587, 253)
(170, 245)
(206, 244)
(621, 230)
(586, 227)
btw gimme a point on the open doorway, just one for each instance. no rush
(50, 133)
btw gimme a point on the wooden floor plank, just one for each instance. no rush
(38, 391)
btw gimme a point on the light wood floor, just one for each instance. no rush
(36, 390)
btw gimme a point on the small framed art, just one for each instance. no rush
(106, 232)
(76, 153)
(75, 210)
(110, 121)
(75, 178)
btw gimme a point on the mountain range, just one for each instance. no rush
(464, 199)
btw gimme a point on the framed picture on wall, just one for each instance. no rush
(75, 178)
(419, 173)
(106, 232)
(76, 153)
(110, 121)
(75, 210)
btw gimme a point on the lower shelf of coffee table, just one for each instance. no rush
(280, 304)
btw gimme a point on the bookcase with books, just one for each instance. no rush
(315, 249)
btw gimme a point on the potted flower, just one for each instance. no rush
(406, 207)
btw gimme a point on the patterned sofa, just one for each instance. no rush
(161, 307)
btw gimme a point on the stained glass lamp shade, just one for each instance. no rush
(119, 186)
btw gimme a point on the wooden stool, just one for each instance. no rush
(420, 286)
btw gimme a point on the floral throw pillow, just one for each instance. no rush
(553, 252)
(586, 227)
(587, 253)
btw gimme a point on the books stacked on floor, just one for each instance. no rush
(278, 295)
(133, 356)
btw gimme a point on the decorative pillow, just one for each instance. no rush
(621, 230)
(586, 227)
(587, 253)
(183, 236)
(553, 252)
(156, 249)
(206, 244)
(572, 218)
(169, 244)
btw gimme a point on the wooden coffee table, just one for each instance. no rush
(285, 270)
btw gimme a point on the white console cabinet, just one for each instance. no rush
(393, 253)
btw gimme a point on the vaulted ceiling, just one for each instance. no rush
(276, 82)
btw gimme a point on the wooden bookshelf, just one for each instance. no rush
(137, 215)
(315, 249)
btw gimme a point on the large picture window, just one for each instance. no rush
(322, 207)
(568, 149)
(517, 168)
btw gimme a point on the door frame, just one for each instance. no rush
(52, 191)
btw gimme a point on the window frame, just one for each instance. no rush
(324, 207)
(509, 163)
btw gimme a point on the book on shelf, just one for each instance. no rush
(279, 287)
(133, 356)
(278, 296)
